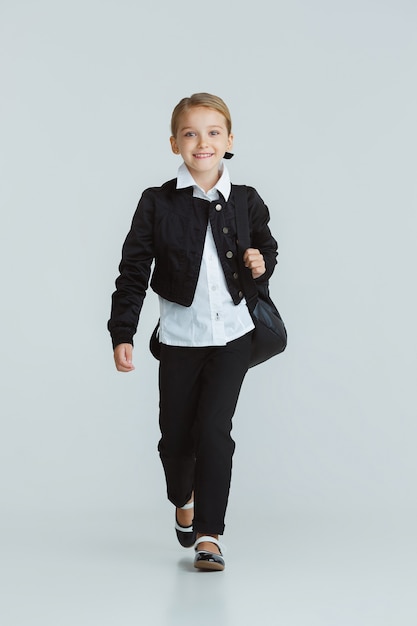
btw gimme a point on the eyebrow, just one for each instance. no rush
(192, 127)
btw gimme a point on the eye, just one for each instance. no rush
(190, 134)
(214, 132)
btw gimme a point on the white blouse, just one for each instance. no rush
(212, 319)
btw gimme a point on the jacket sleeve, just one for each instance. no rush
(261, 237)
(135, 269)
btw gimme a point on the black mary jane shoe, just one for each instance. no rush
(205, 560)
(186, 535)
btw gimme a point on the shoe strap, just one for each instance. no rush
(184, 529)
(190, 505)
(209, 539)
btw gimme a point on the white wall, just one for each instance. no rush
(323, 97)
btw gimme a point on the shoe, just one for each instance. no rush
(186, 535)
(208, 560)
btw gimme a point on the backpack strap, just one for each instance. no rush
(243, 243)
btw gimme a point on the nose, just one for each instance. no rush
(202, 141)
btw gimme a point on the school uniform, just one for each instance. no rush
(205, 327)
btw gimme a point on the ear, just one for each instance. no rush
(174, 146)
(230, 141)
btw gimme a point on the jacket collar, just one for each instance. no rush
(223, 185)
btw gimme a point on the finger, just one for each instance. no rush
(254, 260)
(124, 368)
(249, 252)
(258, 272)
(121, 368)
(258, 268)
(128, 353)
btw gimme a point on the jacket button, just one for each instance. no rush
(235, 275)
(218, 207)
(225, 230)
(240, 294)
(229, 254)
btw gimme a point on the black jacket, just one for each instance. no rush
(169, 227)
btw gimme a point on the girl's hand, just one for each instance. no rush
(253, 259)
(123, 357)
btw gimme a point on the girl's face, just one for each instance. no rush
(202, 139)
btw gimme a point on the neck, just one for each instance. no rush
(206, 180)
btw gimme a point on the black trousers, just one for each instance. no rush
(199, 389)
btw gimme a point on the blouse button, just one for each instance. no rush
(218, 207)
(229, 254)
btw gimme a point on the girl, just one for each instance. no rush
(187, 227)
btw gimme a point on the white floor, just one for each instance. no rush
(108, 569)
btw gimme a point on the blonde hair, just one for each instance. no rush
(200, 100)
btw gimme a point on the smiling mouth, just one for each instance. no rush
(203, 155)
